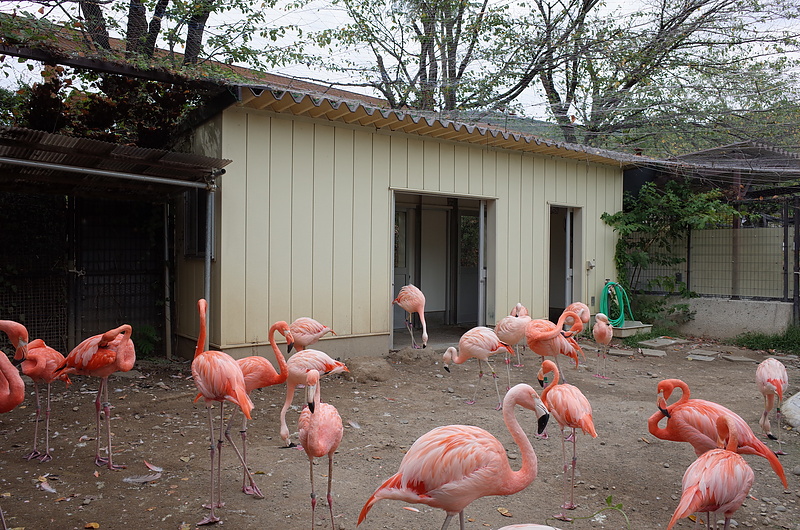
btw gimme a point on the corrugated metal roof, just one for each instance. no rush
(41, 161)
(315, 105)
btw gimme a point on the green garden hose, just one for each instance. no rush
(622, 301)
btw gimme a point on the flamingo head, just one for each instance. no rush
(312, 380)
(661, 402)
(448, 357)
(425, 339)
(601, 317)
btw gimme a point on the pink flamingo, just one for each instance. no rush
(321, 432)
(12, 393)
(511, 330)
(411, 299)
(258, 372)
(772, 380)
(602, 333)
(39, 362)
(519, 310)
(100, 356)
(297, 368)
(218, 378)
(479, 342)
(694, 421)
(580, 309)
(307, 331)
(571, 409)
(451, 466)
(548, 339)
(718, 481)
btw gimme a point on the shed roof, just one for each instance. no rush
(38, 161)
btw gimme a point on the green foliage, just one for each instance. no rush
(609, 506)
(649, 226)
(788, 341)
(146, 339)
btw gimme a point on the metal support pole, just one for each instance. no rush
(207, 255)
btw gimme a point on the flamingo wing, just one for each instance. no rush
(571, 408)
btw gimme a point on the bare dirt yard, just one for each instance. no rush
(386, 402)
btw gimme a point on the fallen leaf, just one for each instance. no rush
(504, 512)
(60, 499)
(92, 525)
(142, 479)
(185, 458)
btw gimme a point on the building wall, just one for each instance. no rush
(305, 225)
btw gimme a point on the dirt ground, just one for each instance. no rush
(386, 402)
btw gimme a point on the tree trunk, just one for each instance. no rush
(137, 22)
(196, 28)
(149, 48)
(95, 23)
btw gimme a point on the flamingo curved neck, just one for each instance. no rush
(201, 335)
(550, 369)
(284, 372)
(519, 480)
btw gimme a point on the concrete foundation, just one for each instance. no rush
(723, 319)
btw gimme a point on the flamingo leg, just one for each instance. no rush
(447, 521)
(286, 404)
(248, 489)
(410, 326)
(35, 453)
(494, 376)
(46, 457)
(107, 413)
(253, 488)
(3, 519)
(211, 518)
(508, 371)
(561, 516)
(480, 376)
(330, 484)
(313, 494)
(572, 505)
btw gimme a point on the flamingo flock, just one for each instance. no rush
(450, 466)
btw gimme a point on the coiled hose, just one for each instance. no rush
(624, 303)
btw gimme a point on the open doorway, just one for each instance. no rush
(565, 232)
(438, 248)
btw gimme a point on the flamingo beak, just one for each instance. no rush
(289, 346)
(542, 417)
(21, 353)
(541, 380)
(662, 405)
(447, 368)
(311, 390)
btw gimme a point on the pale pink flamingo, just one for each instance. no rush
(519, 310)
(772, 380)
(321, 432)
(100, 356)
(258, 372)
(718, 481)
(548, 339)
(479, 342)
(307, 331)
(297, 367)
(511, 330)
(528, 526)
(602, 333)
(580, 309)
(571, 409)
(694, 421)
(218, 378)
(12, 393)
(40, 363)
(411, 299)
(451, 466)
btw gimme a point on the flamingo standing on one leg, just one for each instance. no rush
(772, 380)
(12, 393)
(479, 342)
(307, 331)
(321, 432)
(411, 299)
(511, 330)
(100, 356)
(451, 466)
(547, 339)
(694, 421)
(218, 378)
(297, 367)
(258, 372)
(602, 333)
(39, 362)
(718, 481)
(571, 409)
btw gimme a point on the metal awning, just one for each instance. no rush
(37, 161)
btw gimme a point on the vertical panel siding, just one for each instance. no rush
(398, 161)
(302, 218)
(323, 234)
(447, 168)
(430, 168)
(361, 230)
(382, 232)
(342, 232)
(279, 212)
(416, 169)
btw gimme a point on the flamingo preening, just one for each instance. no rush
(411, 299)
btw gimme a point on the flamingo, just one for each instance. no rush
(12, 393)
(479, 342)
(694, 421)
(772, 379)
(580, 309)
(17, 336)
(602, 333)
(519, 310)
(258, 372)
(307, 331)
(511, 330)
(218, 378)
(718, 481)
(411, 299)
(451, 466)
(528, 526)
(296, 368)
(571, 409)
(321, 432)
(100, 356)
(548, 339)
